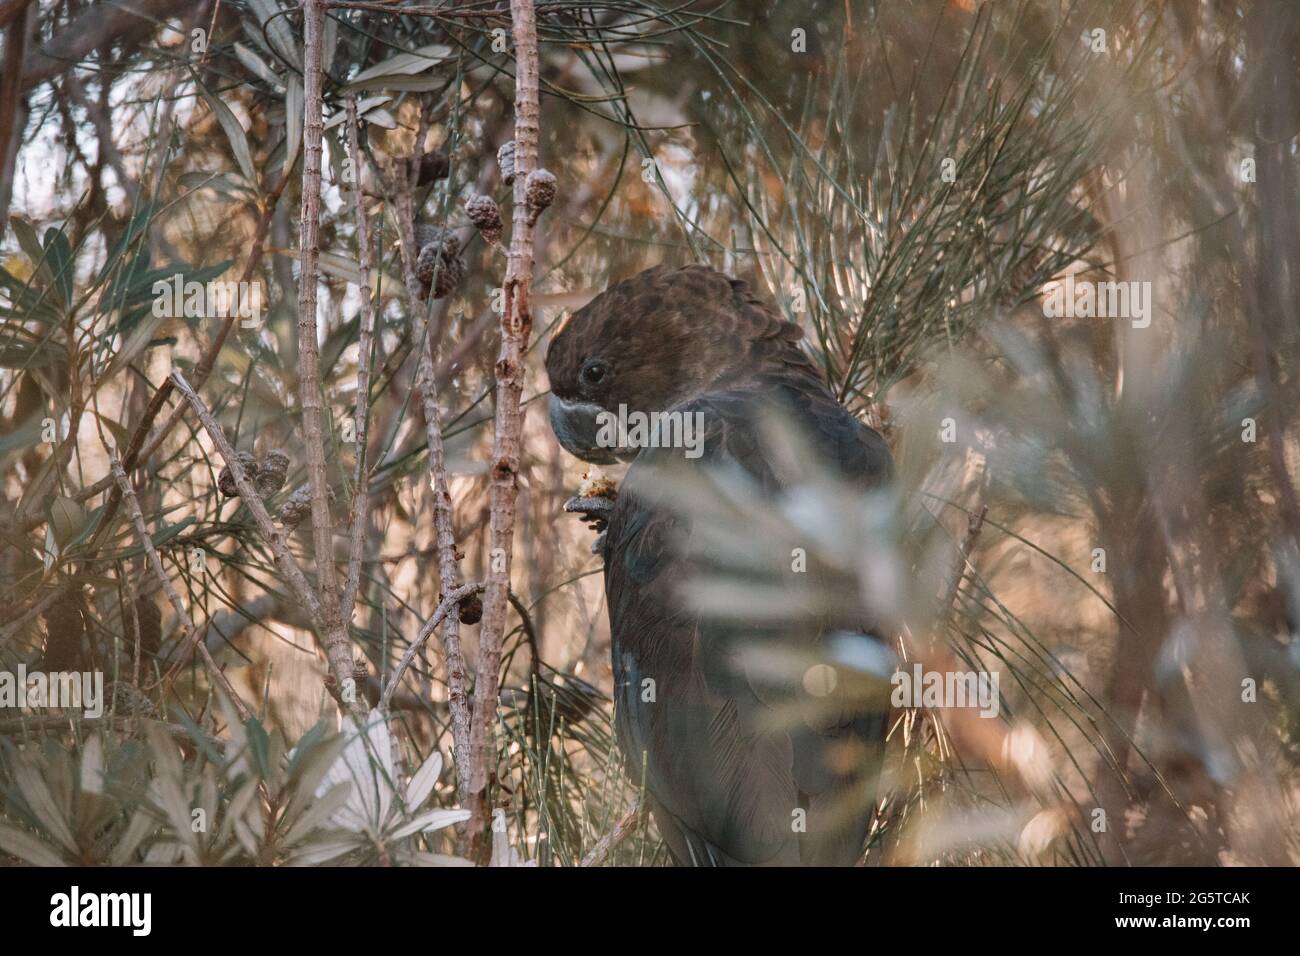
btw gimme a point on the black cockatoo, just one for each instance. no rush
(731, 777)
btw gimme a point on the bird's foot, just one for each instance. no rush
(595, 511)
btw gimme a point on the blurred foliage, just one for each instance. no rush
(685, 133)
(178, 797)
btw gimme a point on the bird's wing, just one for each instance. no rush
(724, 762)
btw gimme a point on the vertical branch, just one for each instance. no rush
(334, 629)
(361, 474)
(448, 570)
(516, 326)
(13, 108)
(443, 518)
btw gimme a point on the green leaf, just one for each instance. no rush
(234, 132)
(162, 537)
(364, 105)
(311, 769)
(135, 228)
(26, 356)
(31, 245)
(58, 252)
(29, 303)
(403, 66)
(27, 847)
(139, 334)
(142, 824)
(293, 121)
(142, 288)
(316, 852)
(259, 745)
(421, 785)
(439, 859)
(121, 437)
(430, 821)
(171, 531)
(381, 118)
(36, 793)
(256, 65)
(270, 16)
(67, 519)
(306, 743)
(329, 41)
(319, 812)
(24, 437)
(87, 529)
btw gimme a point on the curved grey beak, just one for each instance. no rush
(575, 425)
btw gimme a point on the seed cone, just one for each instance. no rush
(506, 162)
(470, 609)
(438, 266)
(272, 472)
(539, 189)
(127, 700)
(297, 506)
(483, 212)
(226, 480)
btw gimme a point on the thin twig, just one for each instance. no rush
(597, 855)
(448, 603)
(130, 611)
(361, 474)
(974, 524)
(16, 725)
(437, 13)
(443, 515)
(274, 536)
(190, 633)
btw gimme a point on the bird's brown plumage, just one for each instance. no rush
(672, 334)
(727, 783)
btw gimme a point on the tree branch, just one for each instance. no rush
(516, 327)
(443, 516)
(13, 110)
(190, 636)
(100, 25)
(361, 416)
(340, 670)
(597, 855)
(334, 629)
(451, 600)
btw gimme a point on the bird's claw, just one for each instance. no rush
(595, 511)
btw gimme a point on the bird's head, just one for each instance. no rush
(653, 341)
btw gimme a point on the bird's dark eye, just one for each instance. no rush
(593, 373)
